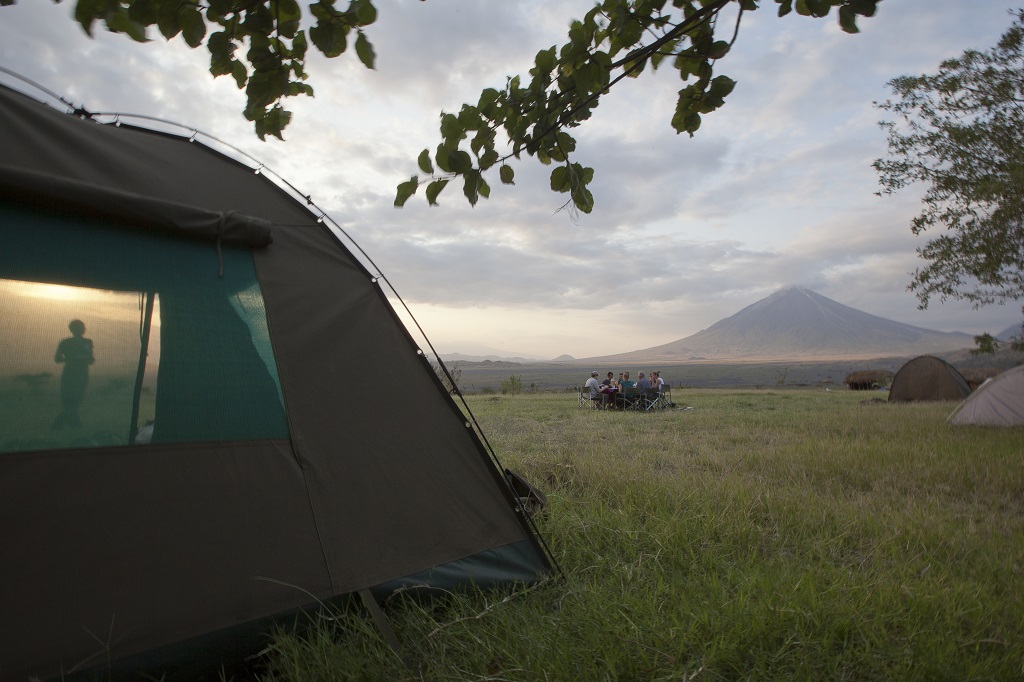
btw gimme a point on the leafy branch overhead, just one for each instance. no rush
(262, 45)
(616, 39)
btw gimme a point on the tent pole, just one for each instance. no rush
(140, 373)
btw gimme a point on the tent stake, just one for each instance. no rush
(383, 625)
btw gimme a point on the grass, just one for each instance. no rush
(790, 534)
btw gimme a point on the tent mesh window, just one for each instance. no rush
(112, 336)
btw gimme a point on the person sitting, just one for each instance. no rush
(608, 390)
(643, 384)
(626, 383)
(656, 381)
(594, 386)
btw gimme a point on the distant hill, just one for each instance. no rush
(564, 358)
(798, 324)
(462, 357)
(1009, 333)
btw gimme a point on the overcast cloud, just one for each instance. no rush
(776, 188)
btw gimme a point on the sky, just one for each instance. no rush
(776, 189)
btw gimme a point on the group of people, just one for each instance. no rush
(610, 391)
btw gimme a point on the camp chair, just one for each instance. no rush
(630, 398)
(585, 399)
(656, 400)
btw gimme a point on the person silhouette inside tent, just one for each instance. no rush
(75, 353)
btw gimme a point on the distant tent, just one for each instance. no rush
(928, 378)
(998, 402)
(217, 464)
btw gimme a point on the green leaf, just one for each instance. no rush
(820, 8)
(366, 13)
(865, 8)
(785, 7)
(507, 174)
(364, 50)
(545, 61)
(488, 159)
(168, 22)
(239, 73)
(719, 49)
(331, 40)
(193, 28)
(424, 162)
(442, 158)
(721, 86)
(583, 200)
(289, 17)
(848, 19)
(406, 190)
(272, 122)
(471, 187)
(460, 161)
(560, 179)
(87, 12)
(451, 128)
(144, 12)
(221, 7)
(433, 189)
(121, 22)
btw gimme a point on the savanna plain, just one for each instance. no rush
(798, 534)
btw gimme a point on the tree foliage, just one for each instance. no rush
(960, 133)
(616, 39)
(262, 45)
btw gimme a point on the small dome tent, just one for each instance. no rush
(211, 470)
(928, 378)
(998, 402)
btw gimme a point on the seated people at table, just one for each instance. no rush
(643, 384)
(625, 383)
(607, 389)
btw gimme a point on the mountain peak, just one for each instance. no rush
(796, 323)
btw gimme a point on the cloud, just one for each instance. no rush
(775, 189)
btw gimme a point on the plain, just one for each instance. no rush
(765, 534)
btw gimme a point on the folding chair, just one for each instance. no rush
(666, 397)
(655, 400)
(630, 398)
(585, 399)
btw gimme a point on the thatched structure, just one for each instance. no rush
(868, 380)
(976, 376)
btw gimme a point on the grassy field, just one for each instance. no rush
(765, 534)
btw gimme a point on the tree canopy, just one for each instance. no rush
(960, 133)
(262, 45)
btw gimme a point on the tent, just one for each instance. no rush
(998, 402)
(928, 378)
(214, 419)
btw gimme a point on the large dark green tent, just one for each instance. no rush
(927, 377)
(207, 462)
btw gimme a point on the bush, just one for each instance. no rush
(512, 386)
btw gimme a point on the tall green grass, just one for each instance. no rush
(793, 534)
